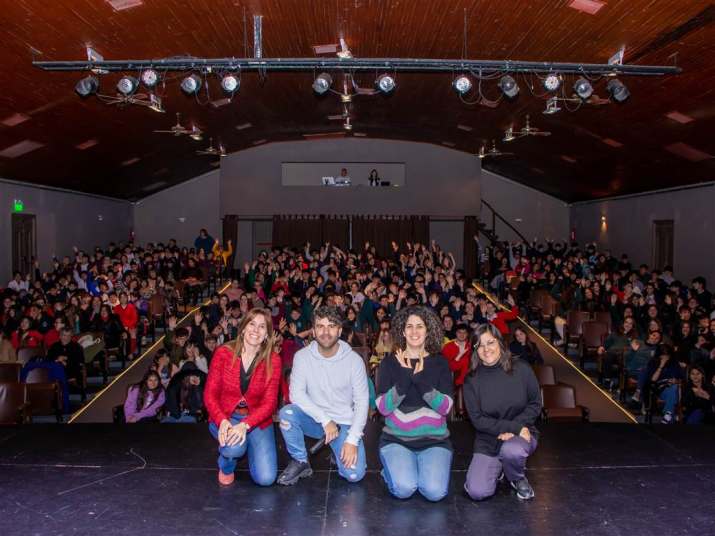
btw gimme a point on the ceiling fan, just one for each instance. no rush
(212, 151)
(178, 129)
(493, 151)
(150, 100)
(527, 130)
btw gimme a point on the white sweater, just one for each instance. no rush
(331, 388)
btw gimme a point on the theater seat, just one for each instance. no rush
(560, 404)
(14, 408)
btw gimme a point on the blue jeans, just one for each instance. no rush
(261, 447)
(296, 424)
(669, 395)
(185, 418)
(697, 416)
(406, 471)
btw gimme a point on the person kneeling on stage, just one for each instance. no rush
(503, 402)
(330, 398)
(415, 396)
(241, 396)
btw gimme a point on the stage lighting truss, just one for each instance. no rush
(510, 77)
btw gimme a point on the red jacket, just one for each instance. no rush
(223, 389)
(459, 368)
(128, 315)
(33, 339)
(502, 317)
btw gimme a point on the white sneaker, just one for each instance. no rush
(667, 418)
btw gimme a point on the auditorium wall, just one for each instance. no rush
(629, 227)
(179, 212)
(63, 219)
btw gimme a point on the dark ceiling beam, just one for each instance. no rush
(475, 67)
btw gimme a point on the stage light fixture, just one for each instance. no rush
(508, 86)
(87, 86)
(552, 82)
(462, 85)
(322, 83)
(191, 84)
(127, 85)
(230, 84)
(583, 88)
(385, 83)
(149, 78)
(619, 92)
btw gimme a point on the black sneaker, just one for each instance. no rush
(294, 472)
(523, 489)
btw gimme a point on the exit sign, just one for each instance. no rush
(18, 205)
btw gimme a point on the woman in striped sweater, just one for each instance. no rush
(414, 387)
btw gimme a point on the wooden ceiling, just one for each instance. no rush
(662, 137)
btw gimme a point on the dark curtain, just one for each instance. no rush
(336, 230)
(381, 231)
(230, 232)
(471, 228)
(295, 231)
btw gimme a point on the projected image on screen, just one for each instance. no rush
(343, 174)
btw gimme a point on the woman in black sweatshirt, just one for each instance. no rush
(503, 401)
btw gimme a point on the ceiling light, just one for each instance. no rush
(127, 85)
(509, 134)
(322, 83)
(508, 86)
(191, 84)
(462, 85)
(230, 84)
(619, 92)
(552, 82)
(149, 78)
(385, 83)
(87, 86)
(583, 88)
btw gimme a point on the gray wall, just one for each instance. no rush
(439, 181)
(449, 235)
(157, 217)
(542, 216)
(64, 219)
(629, 227)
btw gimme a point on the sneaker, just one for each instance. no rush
(500, 477)
(294, 472)
(224, 479)
(667, 418)
(637, 397)
(523, 489)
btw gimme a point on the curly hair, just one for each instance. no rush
(435, 331)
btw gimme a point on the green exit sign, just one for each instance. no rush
(18, 205)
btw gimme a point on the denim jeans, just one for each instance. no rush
(296, 424)
(669, 395)
(406, 471)
(185, 418)
(261, 447)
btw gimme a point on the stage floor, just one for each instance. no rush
(610, 479)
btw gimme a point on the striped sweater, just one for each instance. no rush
(415, 406)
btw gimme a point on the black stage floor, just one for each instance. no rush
(594, 479)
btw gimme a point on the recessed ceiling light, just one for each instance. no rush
(131, 161)
(15, 119)
(612, 143)
(587, 6)
(679, 118)
(259, 142)
(19, 149)
(466, 128)
(243, 126)
(688, 152)
(569, 159)
(86, 144)
(121, 5)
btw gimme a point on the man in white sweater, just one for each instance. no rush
(330, 398)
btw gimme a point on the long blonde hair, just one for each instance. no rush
(266, 349)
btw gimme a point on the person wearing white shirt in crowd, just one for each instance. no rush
(17, 283)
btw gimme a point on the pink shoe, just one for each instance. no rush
(224, 479)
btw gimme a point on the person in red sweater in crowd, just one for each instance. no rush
(500, 318)
(241, 396)
(26, 337)
(52, 336)
(458, 352)
(129, 317)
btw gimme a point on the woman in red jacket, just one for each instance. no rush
(241, 396)
(129, 317)
(25, 336)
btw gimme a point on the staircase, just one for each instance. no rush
(490, 232)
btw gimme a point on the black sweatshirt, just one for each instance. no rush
(498, 402)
